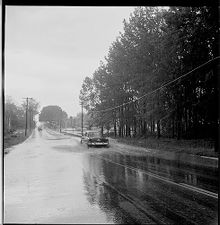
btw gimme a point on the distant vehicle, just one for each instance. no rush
(94, 138)
(39, 128)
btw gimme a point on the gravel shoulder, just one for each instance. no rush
(179, 156)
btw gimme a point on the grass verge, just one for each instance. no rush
(14, 139)
(195, 147)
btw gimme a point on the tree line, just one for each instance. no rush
(15, 115)
(54, 115)
(57, 118)
(131, 91)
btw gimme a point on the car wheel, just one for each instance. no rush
(81, 142)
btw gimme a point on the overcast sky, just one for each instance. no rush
(50, 50)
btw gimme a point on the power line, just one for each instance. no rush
(161, 87)
(174, 32)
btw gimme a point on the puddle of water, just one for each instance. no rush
(111, 180)
(173, 169)
(46, 186)
(80, 149)
(49, 189)
(57, 138)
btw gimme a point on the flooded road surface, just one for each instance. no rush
(51, 178)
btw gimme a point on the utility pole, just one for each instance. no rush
(60, 120)
(82, 118)
(26, 121)
(30, 125)
(71, 121)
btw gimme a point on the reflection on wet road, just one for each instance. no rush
(172, 169)
(51, 178)
(159, 199)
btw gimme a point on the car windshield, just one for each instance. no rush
(94, 134)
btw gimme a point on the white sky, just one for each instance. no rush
(50, 50)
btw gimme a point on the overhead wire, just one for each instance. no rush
(157, 89)
(131, 101)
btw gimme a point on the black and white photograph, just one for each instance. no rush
(110, 114)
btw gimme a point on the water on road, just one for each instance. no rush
(52, 178)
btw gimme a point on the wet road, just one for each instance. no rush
(51, 178)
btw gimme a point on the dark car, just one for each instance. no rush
(95, 139)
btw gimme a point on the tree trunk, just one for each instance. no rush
(102, 130)
(145, 128)
(178, 122)
(135, 127)
(158, 129)
(216, 111)
(173, 126)
(115, 129)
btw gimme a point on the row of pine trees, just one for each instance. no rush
(139, 89)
